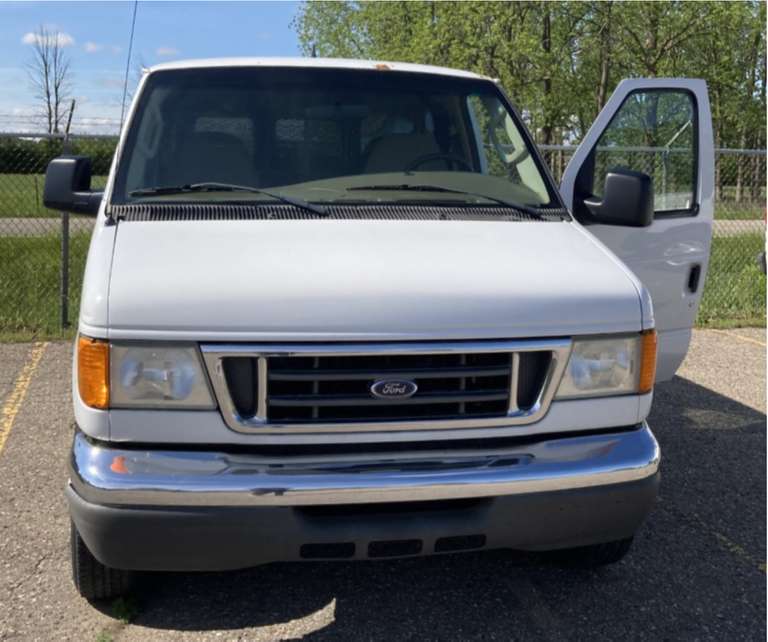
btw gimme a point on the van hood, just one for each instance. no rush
(364, 280)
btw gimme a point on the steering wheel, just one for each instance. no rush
(426, 158)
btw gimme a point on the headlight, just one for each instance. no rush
(610, 366)
(157, 376)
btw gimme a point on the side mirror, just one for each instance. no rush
(68, 186)
(627, 200)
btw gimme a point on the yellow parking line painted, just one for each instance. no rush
(13, 403)
(727, 544)
(739, 551)
(740, 337)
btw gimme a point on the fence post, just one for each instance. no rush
(718, 160)
(64, 267)
(755, 182)
(64, 270)
(64, 292)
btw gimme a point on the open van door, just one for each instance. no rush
(661, 128)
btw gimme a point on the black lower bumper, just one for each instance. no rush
(221, 538)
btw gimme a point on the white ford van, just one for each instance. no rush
(340, 310)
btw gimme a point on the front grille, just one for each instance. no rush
(348, 387)
(307, 389)
(338, 388)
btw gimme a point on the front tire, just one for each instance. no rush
(594, 556)
(93, 580)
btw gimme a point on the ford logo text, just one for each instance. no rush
(393, 389)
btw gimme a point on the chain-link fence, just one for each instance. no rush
(42, 253)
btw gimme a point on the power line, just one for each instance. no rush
(128, 62)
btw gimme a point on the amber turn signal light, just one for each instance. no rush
(93, 371)
(648, 345)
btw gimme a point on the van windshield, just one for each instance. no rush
(327, 136)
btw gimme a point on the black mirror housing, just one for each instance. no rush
(627, 200)
(68, 186)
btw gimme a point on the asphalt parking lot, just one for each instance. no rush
(697, 570)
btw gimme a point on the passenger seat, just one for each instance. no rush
(395, 152)
(214, 156)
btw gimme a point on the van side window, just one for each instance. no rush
(653, 132)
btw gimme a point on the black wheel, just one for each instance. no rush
(93, 580)
(593, 556)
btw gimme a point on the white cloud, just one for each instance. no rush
(167, 51)
(92, 47)
(90, 121)
(59, 38)
(109, 82)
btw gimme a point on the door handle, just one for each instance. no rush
(694, 276)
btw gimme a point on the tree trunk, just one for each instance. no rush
(718, 157)
(546, 45)
(605, 57)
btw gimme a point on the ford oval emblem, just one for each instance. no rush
(393, 389)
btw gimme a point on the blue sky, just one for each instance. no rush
(97, 36)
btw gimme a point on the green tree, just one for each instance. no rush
(559, 61)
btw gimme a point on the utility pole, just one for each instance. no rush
(64, 271)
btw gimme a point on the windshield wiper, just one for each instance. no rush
(227, 187)
(449, 190)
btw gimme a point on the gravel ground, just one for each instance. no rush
(697, 570)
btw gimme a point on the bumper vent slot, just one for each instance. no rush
(328, 551)
(459, 543)
(395, 548)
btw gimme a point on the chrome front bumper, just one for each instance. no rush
(110, 475)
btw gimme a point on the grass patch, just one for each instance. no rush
(732, 211)
(125, 609)
(21, 195)
(734, 294)
(30, 285)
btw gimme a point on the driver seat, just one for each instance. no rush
(394, 152)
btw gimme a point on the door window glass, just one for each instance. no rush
(653, 132)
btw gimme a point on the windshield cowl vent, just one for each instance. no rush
(148, 212)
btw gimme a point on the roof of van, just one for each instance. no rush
(327, 63)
